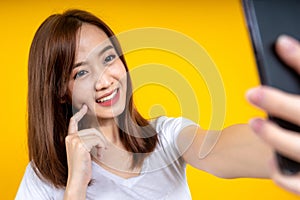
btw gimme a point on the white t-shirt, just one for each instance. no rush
(162, 176)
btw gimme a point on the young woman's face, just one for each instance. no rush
(98, 78)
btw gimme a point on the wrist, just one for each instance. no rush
(77, 192)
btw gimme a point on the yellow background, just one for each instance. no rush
(217, 25)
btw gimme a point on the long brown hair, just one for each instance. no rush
(51, 58)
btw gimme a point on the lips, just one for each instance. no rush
(109, 99)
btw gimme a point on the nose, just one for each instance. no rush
(104, 81)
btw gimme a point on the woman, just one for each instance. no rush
(107, 150)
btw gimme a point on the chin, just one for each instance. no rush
(110, 114)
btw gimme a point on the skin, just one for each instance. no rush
(238, 152)
(270, 99)
(93, 80)
(96, 76)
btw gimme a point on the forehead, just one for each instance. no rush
(90, 37)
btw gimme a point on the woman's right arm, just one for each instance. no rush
(78, 147)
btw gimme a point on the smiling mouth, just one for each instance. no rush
(108, 98)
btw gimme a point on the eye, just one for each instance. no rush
(80, 73)
(109, 59)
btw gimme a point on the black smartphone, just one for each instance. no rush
(266, 20)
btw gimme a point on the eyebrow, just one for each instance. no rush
(99, 54)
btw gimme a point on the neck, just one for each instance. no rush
(110, 130)
(108, 127)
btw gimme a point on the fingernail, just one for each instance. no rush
(84, 106)
(256, 124)
(255, 95)
(287, 42)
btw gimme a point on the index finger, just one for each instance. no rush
(73, 125)
(276, 103)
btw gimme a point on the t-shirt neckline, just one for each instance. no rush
(118, 179)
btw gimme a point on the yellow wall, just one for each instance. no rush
(216, 25)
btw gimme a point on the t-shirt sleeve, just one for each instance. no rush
(32, 187)
(168, 130)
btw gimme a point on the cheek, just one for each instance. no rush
(121, 73)
(80, 94)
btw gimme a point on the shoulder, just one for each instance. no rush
(32, 187)
(168, 128)
(167, 151)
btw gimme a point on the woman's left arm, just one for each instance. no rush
(238, 152)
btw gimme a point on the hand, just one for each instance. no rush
(282, 105)
(79, 144)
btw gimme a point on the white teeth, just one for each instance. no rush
(112, 95)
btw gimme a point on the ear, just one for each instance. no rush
(65, 98)
(62, 100)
